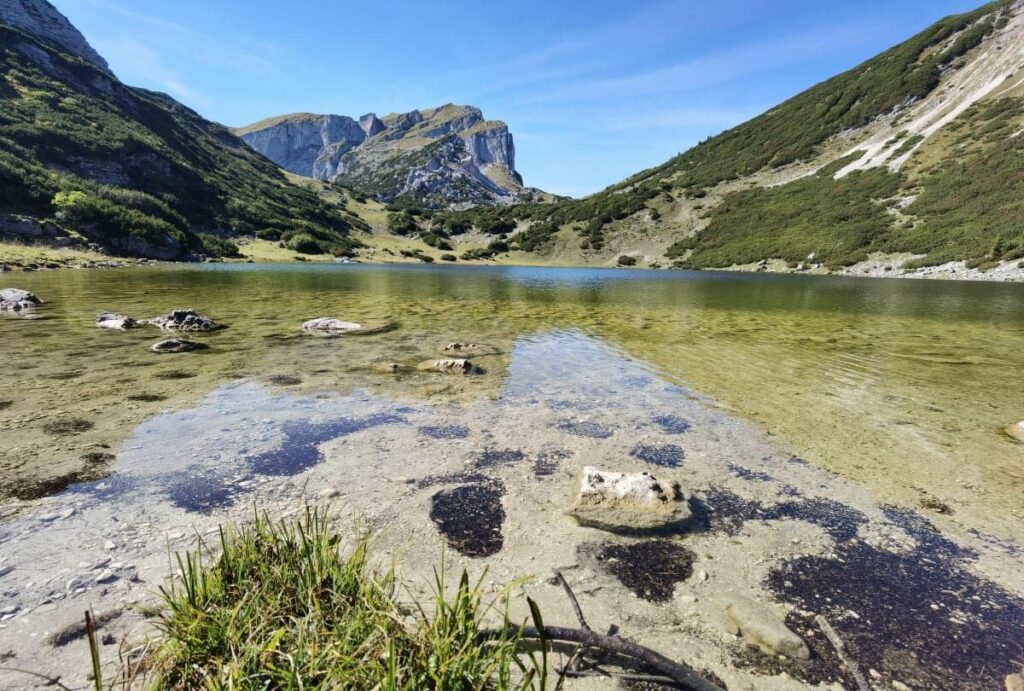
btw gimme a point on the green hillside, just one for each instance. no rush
(721, 202)
(134, 171)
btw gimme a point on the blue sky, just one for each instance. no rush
(593, 90)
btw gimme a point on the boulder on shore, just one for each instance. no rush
(447, 366)
(628, 502)
(110, 320)
(175, 345)
(761, 628)
(15, 300)
(184, 320)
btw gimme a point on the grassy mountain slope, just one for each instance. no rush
(132, 170)
(915, 151)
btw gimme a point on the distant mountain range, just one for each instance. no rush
(439, 156)
(914, 158)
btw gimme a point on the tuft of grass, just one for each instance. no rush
(288, 605)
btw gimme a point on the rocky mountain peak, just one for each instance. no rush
(445, 155)
(42, 20)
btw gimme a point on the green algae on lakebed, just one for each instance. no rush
(900, 385)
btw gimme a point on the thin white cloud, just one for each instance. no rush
(195, 45)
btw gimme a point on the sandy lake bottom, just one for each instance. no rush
(840, 440)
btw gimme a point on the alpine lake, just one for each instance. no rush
(842, 439)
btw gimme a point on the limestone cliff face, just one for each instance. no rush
(42, 20)
(447, 155)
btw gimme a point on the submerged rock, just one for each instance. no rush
(468, 349)
(628, 501)
(339, 327)
(329, 325)
(175, 345)
(1016, 430)
(110, 320)
(15, 300)
(762, 629)
(447, 366)
(184, 320)
(386, 367)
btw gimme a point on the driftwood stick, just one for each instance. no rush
(623, 676)
(837, 643)
(677, 672)
(572, 599)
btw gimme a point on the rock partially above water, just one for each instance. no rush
(175, 345)
(15, 300)
(110, 320)
(1015, 682)
(447, 366)
(762, 629)
(329, 325)
(468, 349)
(1016, 430)
(628, 501)
(184, 320)
(339, 327)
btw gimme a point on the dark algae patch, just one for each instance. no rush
(745, 473)
(284, 380)
(175, 374)
(493, 458)
(917, 616)
(202, 492)
(664, 455)
(650, 569)
(672, 424)
(548, 462)
(444, 431)
(147, 397)
(67, 427)
(4, 405)
(470, 518)
(592, 430)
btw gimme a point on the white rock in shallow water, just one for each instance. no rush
(329, 325)
(447, 366)
(762, 629)
(628, 501)
(15, 300)
(109, 320)
(1016, 430)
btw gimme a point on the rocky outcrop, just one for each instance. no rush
(184, 320)
(443, 155)
(42, 20)
(29, 229)
(628, 502)
(17, 301)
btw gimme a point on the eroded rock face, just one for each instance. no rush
(42, 20)
(448, 154)
(110, 320)
(18, 301)
(628, 502)
(184, 320)
(761, 628)
(175, 345)
(447, 366)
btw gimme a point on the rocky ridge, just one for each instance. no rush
(42, 20)
(446, 155)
